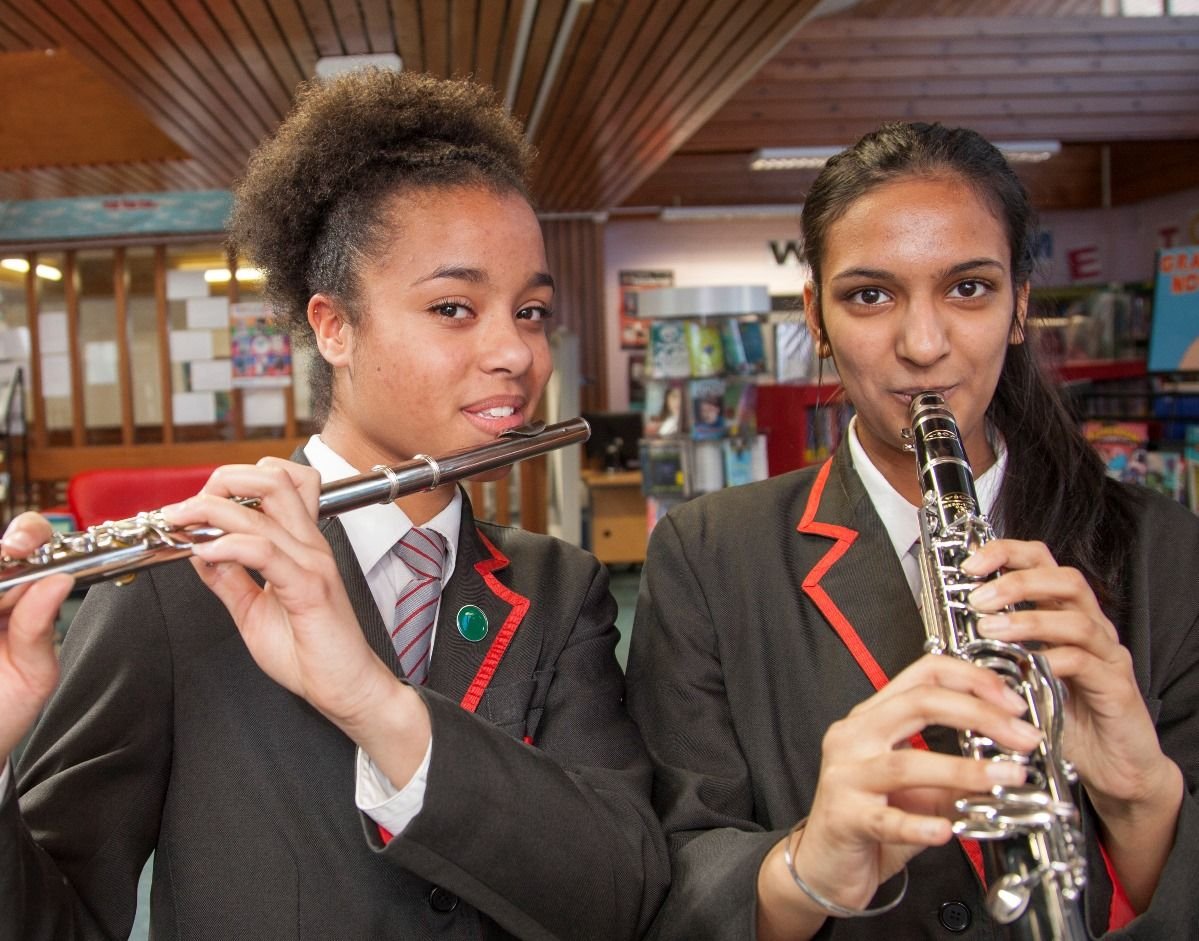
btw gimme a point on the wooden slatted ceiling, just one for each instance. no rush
(648, 100)
(1072, 79)
(1088, 81)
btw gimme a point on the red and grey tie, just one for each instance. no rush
(423, 551)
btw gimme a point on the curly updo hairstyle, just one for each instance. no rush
(1055, 488)
(311, 207)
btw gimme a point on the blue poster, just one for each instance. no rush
(1174, 334)
(47, 220)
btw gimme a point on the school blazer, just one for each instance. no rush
(164, 736)
(766, 613)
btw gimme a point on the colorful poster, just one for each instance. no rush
(633, 332)
(260, 347)
(1174, 331)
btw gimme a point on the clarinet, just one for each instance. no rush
(118, 550)
(1031, 833)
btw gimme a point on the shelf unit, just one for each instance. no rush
(707, 353)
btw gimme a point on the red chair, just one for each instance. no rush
(98, 496)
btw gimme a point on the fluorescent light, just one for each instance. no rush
(221, 275)
(792, 158)
(813, 158)
(1029, 151)
(328, 66)
(725, 213)
(21, 266)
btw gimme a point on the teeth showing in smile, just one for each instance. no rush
(500, 411)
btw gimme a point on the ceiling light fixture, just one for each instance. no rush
(813, 158)
(725, 213)
(328, 66)
(1029, 151)
(21, 266)
(792, 158)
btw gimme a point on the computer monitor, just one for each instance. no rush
(614, 439)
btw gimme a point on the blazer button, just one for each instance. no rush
(442, 900)
(954, 916)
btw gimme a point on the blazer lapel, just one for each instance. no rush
(465, 663)
(361, 599)
(855, 580)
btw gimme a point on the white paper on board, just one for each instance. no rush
(264, 407)
(210, 375)
(184, 284)
(188, 345)
(193, 408)
(100, 363)
(208, 313)
(56, 375)
(52, 332)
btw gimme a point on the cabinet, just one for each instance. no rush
(618, 530)
(802, 423)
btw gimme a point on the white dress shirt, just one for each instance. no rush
(899, 516)
(373, 531)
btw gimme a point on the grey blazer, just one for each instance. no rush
(767, 612)
(164, 736)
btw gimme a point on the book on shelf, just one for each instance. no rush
(669, 356)
(667, 408)
(744, 460)
(744, 346)
(740, 407)
(1123, 446)
(705, 348)
(707, 408)
(1191, 454)
(826, 428)
(662, 467)
(656, 508)
(703, 467)
(1165, 472)
(753, 339)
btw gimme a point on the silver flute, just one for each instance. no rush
(118, 550)
(1031, 833)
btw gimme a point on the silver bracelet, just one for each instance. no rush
(827, 904)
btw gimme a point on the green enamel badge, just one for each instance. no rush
(472, 623)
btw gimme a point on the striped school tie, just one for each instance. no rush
(423, 551)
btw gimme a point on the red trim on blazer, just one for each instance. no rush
(1120, 912)
(840, 623)
(520, 606)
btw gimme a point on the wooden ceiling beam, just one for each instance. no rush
(284, 40)
(629, 37)
(125, 61)
(409, 34)
(322, 28)
(691, 103)
(547, 22)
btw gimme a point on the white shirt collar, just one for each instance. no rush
(374, 530)
(898, 515)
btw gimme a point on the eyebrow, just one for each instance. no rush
(880, 274)
(540, 279)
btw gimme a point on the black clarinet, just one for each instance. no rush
(1030, 834)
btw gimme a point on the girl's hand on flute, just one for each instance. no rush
(28, 661)
(300, 626)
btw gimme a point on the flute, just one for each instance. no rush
(119, 549)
